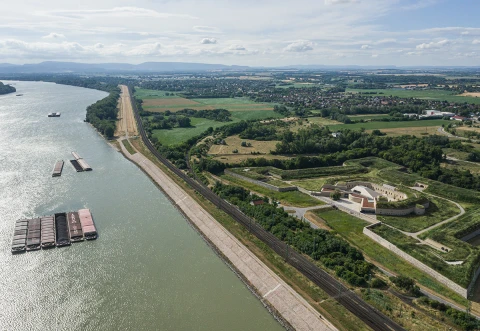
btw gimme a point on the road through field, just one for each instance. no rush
(126, 125)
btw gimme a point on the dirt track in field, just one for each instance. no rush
(126, 125)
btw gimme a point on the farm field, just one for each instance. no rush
(422, 94)
(240, 108)
(351, 229)
(235, 142)
(418, 131)
(390, 125)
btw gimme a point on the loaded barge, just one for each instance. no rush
(79, 163)
(58, 230)
(57, 169)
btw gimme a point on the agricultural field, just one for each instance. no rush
(391, 125)
(240, 109)
(235, 142)
(422, 94)
(417, 132)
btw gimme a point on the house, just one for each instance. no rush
(459, 118)
(257, 202)
(336, 134)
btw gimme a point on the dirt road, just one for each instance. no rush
(126, 125)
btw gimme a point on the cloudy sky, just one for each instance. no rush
(245, 32)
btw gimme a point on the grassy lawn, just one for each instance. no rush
(235, 142)
(293, 198)
(390, 125)
(313, 184)
(422, 94)
(438, 211)
(129, 147)
(474, 168)
(351, 228)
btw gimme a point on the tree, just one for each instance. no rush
(183, 122)
(336, 195)
(109, 131)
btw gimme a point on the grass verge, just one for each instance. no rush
(129, 147)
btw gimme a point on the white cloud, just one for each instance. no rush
(335, 2)
(476, 41)
(117, 12)
(366, 47)
(433, 44)
(235, 47)
(374, 55)
(299, 46)
(208, 29)
(54, 35)
(208, 41)
(145, 50)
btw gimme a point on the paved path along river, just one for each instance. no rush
(148, 270)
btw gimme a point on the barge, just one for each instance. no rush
(52, 231)
(53, 115)
(19, 236)
(33, 234)
(75, 227)
(88, 227)
(48, 232)
(81, 163)
(77, 166)
(61, 230)
(57, 169)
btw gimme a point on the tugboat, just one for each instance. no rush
(53, 114)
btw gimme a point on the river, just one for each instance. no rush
(148, 270)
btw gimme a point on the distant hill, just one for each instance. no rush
(147, 67)
(4, 89)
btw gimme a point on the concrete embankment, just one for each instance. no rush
(286, 304)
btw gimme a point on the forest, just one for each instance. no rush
(103, 113)
(5, 88)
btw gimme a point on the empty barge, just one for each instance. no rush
(58, 230)
(57, 169)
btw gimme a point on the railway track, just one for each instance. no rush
(351, 301)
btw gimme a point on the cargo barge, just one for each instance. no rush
(48, 232)
(61, 230)
(19, 236)
(53, 114)
(57, 169)
(52, 231)
(77, 166)
(33, 234)
(75, 228)
(88, 227)
(80, 162)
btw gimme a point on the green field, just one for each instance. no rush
(438, 211)
(351, 228)
(241, 109)
(153, 94)
(389, 125)
(129, 147)
(422, 94)
(293, 198)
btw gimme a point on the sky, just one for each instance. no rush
(243, 32)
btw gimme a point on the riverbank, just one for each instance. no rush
(284, 302)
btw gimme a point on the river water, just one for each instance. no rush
(148, 270)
